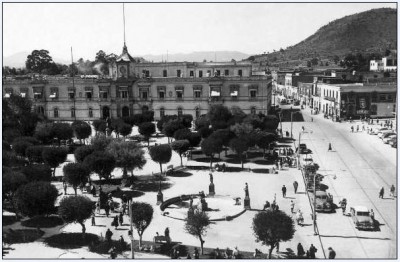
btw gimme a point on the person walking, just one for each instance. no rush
(352, 129)
(295, 185)
(381, 193)
(300, 250)
(107, 209)
(196, 254)
(343, 204)
(332, 253)
(292, 206)
(392, 190)
(166, 234)
(65, 187)
(108, 235)
(358, 128)
(93, 220)
(330, 147)
(312, 251)
(284, 191)
(121, 218)
(372, 215)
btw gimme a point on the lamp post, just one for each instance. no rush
(315, 205)
(131, 236)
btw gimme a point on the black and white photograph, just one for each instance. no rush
(199, 130)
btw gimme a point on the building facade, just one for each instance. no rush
(166, 88)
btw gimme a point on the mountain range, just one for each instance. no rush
(18, 60)
(372, 31)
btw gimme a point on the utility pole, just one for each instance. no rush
(291, 122)
(315, 204)
(132, 240)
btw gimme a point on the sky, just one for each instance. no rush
(155, 28)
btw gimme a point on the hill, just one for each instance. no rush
(372, 31)
(18, 60)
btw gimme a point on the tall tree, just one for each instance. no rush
(62, 131)
(128, 155)
(76, 209)
(142, 214)
(239, 145)
(161, 154)
(146, 129)
(75, 174)
(220, 116)
(102, 163)
(211, 146)
(38, 60)
(101, 62)
(272, 227)
(54, 156)
(82, 130)
(264, 139)
(180, 147)
(197, 225)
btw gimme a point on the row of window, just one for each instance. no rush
(179, 73)
(331, 93)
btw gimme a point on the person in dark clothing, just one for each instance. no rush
(196, 253)
(267, 205)
(300, 250)
(166, 234)
(116, 222)
(332, 253)
(381, 193)
(295, 185)
(107, 209)
(121, 218)
(312, 250)
(93, 220)
(284, 191)
(330, 147)
(108, 235)
(113, 253)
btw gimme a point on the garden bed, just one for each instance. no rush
(71, 240)
(21, 235)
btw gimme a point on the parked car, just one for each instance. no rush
(296, 102)
(283, 102)
(362, 218)
(384, 132)
(324, 201)
(378, 129)
(387, 139)
(387, 133)
(393, 143)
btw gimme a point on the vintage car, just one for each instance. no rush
(376, 130)
(388, 138)
(361, 217)
(324, 201)
(385, 133)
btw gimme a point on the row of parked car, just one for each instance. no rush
(387, 135)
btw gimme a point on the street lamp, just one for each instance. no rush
(131, 235)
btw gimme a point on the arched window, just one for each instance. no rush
(198, 112)
(72, 112)
(55, 112)
(179, 111)
(90, 112)
(162, 112)
(253, 110)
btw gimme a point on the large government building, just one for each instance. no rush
(134, 86)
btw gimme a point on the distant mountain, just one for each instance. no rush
(367, 32)
(220, 56)
(18, 60)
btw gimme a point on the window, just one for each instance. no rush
(145, 73)
(144, 95)
(191, 73)
(178, 73)
(162, 112)
(179, 94)
(124, 94)
(389, 98)
(374, 97)
(90, 112)
(226, 72)
(88, 95)
(200, 73)
(179, 111)
(104, 95)
(161, 94)
(71, 94)
(240, 73)
(37, 95)
(208, 73)
(40, 110)
(218, 73)
(253, 93)
(72, 112)
(197, 93)
(382, 97)
(55, 112)
(165, 73)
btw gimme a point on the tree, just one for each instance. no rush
(76, 209)
(180, 147)
(36, 198)
(336, 59)
(75, 174)
(128, 155)
(99, 126)
(116, 125)
(182, 134)
(37, 172)
(225, 135)
(20, 147)
(186, 120)
(147, 129)
(54, 156)
(101, 163)
(264, 139)
(202, 121)
(205, 132)
(219, 116)
(211, 146)
(142, 214)
(43, 132)
(239, 145)
(100, 142)
(81, 129)
(272, 227)
(171, 127)
(197, 225)
(81, 152)
(34, 154)
(243, 129)
(125, 129)
(101, 62)
(38, 60)
(194, 139)
(62, 131)
(161, 154)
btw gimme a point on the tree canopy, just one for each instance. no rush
(197, 225)
(146, 129)
(39, 60)
(100, 162)
(75, 174)
(180, 147)
(211, 146)
(240, 146)
(76, 209)
(161, 154)
(82, 130)
(142, 214)
(54, 156)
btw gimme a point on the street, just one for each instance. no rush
(357, 167)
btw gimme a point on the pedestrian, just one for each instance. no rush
(284, 191)
(108, 235)
(267, 205)
(392, 190)
(381, 193)
(277, 247)
(166, 234)
(279, 165)
(122, 240)
(292, 206)
(332, 253)
(363, 129)
(98, 206)
(93, 220)
(343, 204)
(115, 221)
(330, 147)
(124, 208)
(93, 191)
(312, 119)
(188, 256)
(121, 218)
(196, 254)
(113, 253)
(312, 250)
(372, 215)
(107, 209)
(303, 128)
(300, 250)
(65, 188)
(358, 128)
(295, 185)
(352, 129)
